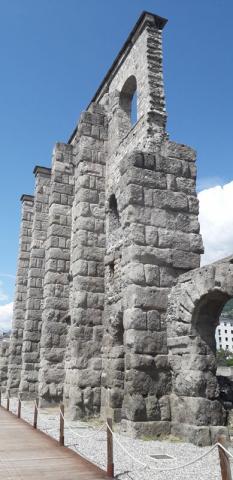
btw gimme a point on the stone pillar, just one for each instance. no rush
(55, 314)
(16, 340)
(32, 325)
(163, 241)
(4, 353)
(153, 239)
(83, 363)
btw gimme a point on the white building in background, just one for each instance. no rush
(224, 333)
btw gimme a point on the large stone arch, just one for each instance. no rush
(194, 307)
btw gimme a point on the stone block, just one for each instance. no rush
(152, 275)
(151, 236)
(197, 435)
(153, 320)
(153, 429)
(135, 319)
(134, 407)
(151, 343)
(147, 298)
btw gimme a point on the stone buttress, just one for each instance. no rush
(152, 235)
(84, 342)
(55, 312)
(32, 325)
(16, 340)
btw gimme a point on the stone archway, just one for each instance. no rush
(194, 307)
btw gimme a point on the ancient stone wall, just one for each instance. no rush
(114, 232)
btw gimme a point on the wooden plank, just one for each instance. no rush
(30, 454)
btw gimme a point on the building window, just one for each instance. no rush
(220, 345)
(220, 339)
(225, 331)
(225, 324)
(226, 339)
(227, 346)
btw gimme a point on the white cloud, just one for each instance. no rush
(216, 220)
(6, 313)
(205, 183)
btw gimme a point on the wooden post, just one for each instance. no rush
(35, 413)
(8, 402)
(224, 460)
(110, 464)
(19, 408)
(61, 437)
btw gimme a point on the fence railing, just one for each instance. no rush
(61, 426)
(224, 455)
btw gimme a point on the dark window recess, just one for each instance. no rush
(68, 320)
(114, 220)
(111, 269)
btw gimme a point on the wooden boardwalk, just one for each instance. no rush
(26, 453)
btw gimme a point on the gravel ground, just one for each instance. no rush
(94, 447)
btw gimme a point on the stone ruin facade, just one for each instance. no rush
(112, 314)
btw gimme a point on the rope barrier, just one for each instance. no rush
(146, 465)
(125, 450)
(44, 427)
(78, 434)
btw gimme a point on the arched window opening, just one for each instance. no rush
(213, 323)
(206, 317)
(128, 105)
(114, 220)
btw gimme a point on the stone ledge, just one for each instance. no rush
(201, 436)
(27, 198)
(147, 428)
(43, 170)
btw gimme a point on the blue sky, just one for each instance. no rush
(54, 53)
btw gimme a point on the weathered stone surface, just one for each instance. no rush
(112, 313)
(16, 340)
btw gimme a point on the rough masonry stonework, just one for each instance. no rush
(112, 314)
